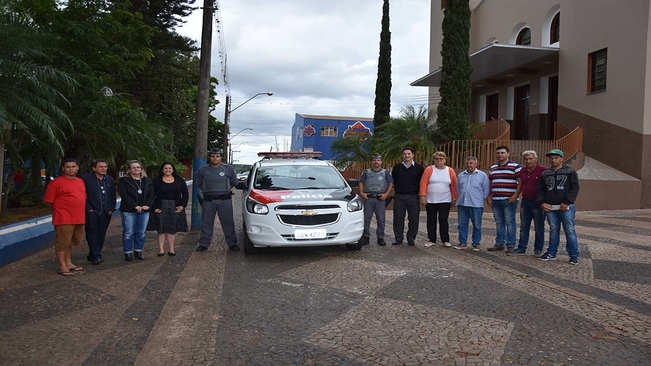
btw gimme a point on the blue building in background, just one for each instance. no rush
(316, 133)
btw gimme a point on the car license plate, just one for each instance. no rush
(310, 234)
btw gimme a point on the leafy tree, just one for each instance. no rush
(383, 82)
(412, 128)
(452, 122)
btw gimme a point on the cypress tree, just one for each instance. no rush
(383, 82)
(455, 90)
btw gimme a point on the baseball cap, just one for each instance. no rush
(555, 152)
(215, 151)
(376, 156)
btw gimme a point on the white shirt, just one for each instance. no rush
(438, 189)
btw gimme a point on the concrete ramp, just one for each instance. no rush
(606, 188)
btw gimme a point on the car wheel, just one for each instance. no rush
(248, 246)
(355, 246)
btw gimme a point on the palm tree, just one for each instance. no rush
(351, 149)
(32, 94)
(414, 127)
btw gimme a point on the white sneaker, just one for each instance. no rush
(429, 244)
(447, 245)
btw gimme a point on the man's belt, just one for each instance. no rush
(217, 197)
(374, 195)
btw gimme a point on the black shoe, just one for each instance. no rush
(234, 248)
(161, 254)
(171, 254)
(381, 242)
(201, 248)
(397, 242)
(411, 243)
(496, 248)
(363, 241)
(139, 256)
(128, 257)
(97, 261)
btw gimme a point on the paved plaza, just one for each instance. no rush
(393, 305)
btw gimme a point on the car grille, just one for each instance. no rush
(305, 220)
(290, 237)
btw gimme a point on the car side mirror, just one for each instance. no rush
(241, 185)
(353, 183)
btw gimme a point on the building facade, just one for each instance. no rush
(577, 62)
(316, 133)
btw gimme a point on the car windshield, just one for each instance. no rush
(292, 177)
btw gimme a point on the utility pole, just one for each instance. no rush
(227, 117)
(201, 141)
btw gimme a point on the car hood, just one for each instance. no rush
(302, 195)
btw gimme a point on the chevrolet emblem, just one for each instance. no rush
(308, 213)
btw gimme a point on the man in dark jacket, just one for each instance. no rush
(406, 178)
(557, 190)
(100, 205)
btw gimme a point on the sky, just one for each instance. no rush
(316, 57)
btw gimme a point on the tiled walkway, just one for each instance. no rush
(388, 305)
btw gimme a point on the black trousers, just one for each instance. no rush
(405, 204)
(96, 226)
(442, 211)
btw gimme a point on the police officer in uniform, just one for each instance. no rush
(375, 184)
(217, 180)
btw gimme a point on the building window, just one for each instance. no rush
(330, 131)
(524, 37)
(597, 71)
(555, 29)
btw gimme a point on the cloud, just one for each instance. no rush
(317, 57)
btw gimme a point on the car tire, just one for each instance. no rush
(248, 246)
(356, 246)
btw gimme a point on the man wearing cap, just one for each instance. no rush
(375, 184)
(557, 190)
(529, 208)
(216, 181)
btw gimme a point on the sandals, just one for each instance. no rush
(65, 274)
(76, 269)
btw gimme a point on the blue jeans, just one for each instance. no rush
(555, 219)
(504, 214)
(133, 227)
(530, 210)
(473, 214)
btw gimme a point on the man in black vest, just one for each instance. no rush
(406, 177)
(375, 184)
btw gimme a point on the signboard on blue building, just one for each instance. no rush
(316, 133)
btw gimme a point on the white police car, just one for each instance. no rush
(292, 199)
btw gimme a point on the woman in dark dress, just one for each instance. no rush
(168, 214)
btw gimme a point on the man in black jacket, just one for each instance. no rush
(100, 205)
(406, 178)
(557, 190)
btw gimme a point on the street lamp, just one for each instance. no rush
(227, 116)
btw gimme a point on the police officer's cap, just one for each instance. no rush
(376, 156)
(215, 151)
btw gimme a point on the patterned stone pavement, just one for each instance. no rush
(393, 305)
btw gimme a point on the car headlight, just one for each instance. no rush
(256, 207)
(355, 204)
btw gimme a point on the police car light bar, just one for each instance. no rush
(290, 155)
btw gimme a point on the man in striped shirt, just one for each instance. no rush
(505, 187)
